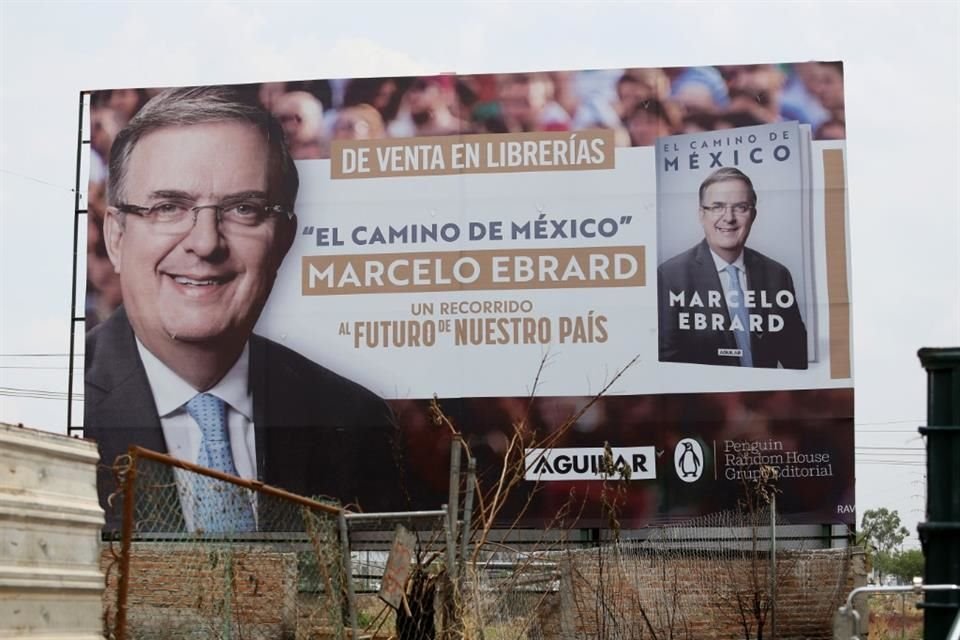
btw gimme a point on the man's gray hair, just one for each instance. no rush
(200, 105)
(725, 174)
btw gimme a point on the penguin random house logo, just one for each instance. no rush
(688, 460)
(586, 463)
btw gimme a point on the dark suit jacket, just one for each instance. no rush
(317, 433)
(694, 271)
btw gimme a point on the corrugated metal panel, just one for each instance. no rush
(51, 586)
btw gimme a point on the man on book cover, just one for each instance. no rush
(723, 303)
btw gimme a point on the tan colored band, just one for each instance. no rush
(838, 284)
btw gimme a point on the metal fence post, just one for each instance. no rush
(448, 586)
(454, 503)
(126, 537)
(348, 575)
(467, 513)
(773, 565)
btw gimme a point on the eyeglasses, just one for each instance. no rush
(180, 216)
(720, 208)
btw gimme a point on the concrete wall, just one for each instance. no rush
(50, 520)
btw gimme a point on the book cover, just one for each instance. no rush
(734, 283)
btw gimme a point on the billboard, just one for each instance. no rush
(516, 245)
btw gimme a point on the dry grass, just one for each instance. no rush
(893, 617)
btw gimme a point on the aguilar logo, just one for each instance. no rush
(688, 460)
(585, 463)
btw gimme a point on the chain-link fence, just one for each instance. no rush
(209, 556)
(204, 555)
(711, 577)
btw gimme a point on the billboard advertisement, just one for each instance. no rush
(648, 265)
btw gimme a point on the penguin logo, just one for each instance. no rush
(688, 460)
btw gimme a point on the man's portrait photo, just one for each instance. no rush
(198, 217)
(721, 302)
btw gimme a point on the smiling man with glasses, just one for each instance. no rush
(723, 303)
(201, 197)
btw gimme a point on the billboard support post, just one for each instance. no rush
(940, 534)
(73, 282)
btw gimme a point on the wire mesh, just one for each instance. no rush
(181, 573)
(708, 578)
(177, 575)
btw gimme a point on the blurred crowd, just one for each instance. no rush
(639, 105)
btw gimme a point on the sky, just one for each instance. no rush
(902, 71)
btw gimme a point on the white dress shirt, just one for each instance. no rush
(182, 433)
(721, 266)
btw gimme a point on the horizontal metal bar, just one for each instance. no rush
(953, 606)
(939, 526)
(939, 357)
(253, 485)
(395, 515)
(513, 565)
(939, 428)
(918, 589)
(281, 539)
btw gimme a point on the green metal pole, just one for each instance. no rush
(940, 534)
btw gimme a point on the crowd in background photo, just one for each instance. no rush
(638, 105)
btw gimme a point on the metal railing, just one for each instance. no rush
(847, 610)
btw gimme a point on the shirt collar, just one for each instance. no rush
(722, 264)
(171, 392)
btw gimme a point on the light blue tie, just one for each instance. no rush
(740, 312)
(219, 507)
